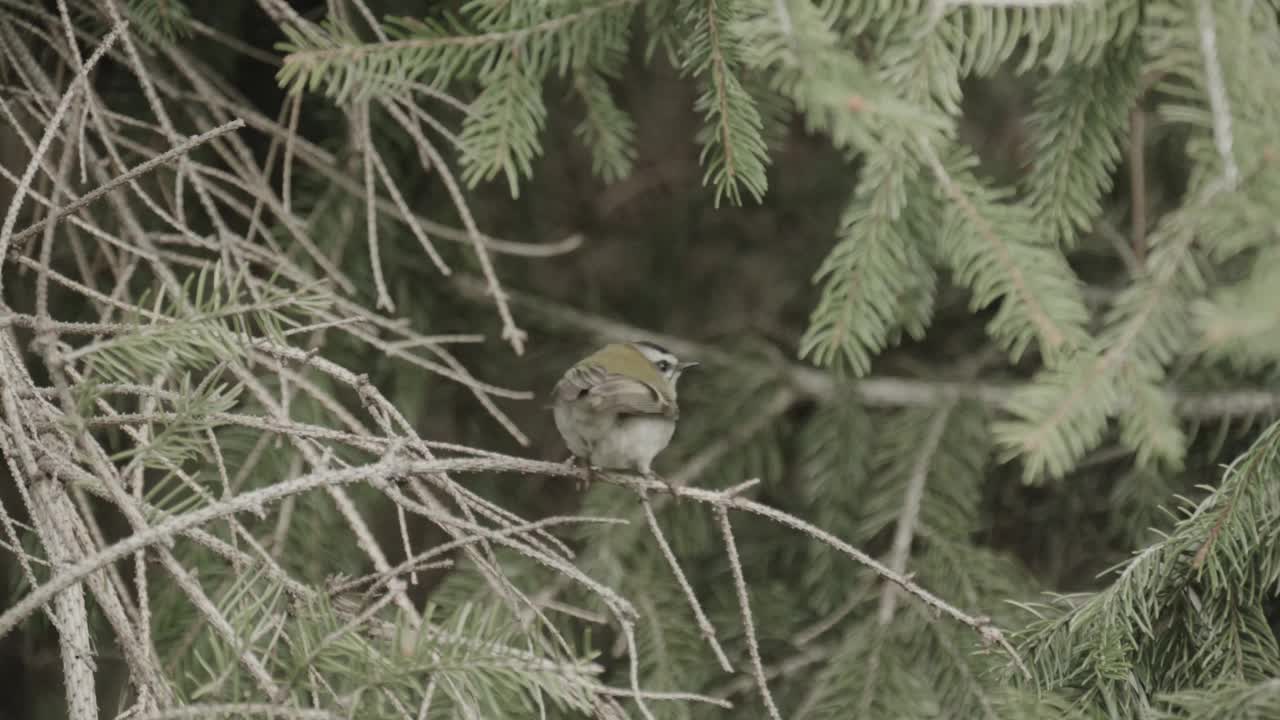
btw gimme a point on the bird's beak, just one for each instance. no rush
(686, 365)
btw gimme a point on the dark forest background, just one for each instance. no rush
(986, 292)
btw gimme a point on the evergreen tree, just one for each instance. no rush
(984, 294)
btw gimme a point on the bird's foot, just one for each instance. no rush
(580, 483)
(671, 487)
(584, 482)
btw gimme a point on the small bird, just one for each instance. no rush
(616, 409)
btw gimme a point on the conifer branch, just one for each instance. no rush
(1080, 116)
(718, 72)
(1063, 414)
(904, 528)
(1234, 700)
(876, 391)
(1014, 3)
(606, 130)
(78, 663)
(1058, 332)
(809, 656)
(181, 314)
(1218, 103)
(1167, 596)
(391, 467)
(313, 60)
(1138, 184)
(7, 235)
(732, 148)
(199, 711)
(127, 177)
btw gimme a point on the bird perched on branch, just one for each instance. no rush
(616, 409)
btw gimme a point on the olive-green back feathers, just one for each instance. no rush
(618, 378)
(625, 359)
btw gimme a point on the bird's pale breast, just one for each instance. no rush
(632, 442)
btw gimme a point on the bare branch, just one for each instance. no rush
(704, 625)
(744, 604)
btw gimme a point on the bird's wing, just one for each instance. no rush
(611, 393)
(627, 396)
(578, 381)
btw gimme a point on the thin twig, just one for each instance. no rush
(286, 182)
(1138, 184)
(7, 235)
(425, 556)
(744, 604)
(659, 695)
(629, 632)
(905, 527)
(407, 215)
(199, 711)
(1218, 101)
(704, 625)
(510, 331)
(365, 143)
(141, 169)
(810, 655)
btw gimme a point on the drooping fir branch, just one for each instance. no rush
(987, 237)
(1039, 300)
(1225, 701)
(925, 493)
(605, 128)
(806, 60)
(1065, 412)
(1233, 322)
(1081, 114)
(509, 51)
(733, 149)
(1144, 635)
(501, 134)
(1039, 33)
(1238, 323)
(875, 281)
(991, 247)
(989, 240)
(158, 20)
(434, 52)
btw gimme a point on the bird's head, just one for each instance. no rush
(666, 363)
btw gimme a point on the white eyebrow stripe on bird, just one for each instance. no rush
(657, 347)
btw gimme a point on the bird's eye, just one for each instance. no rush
(663, 365)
